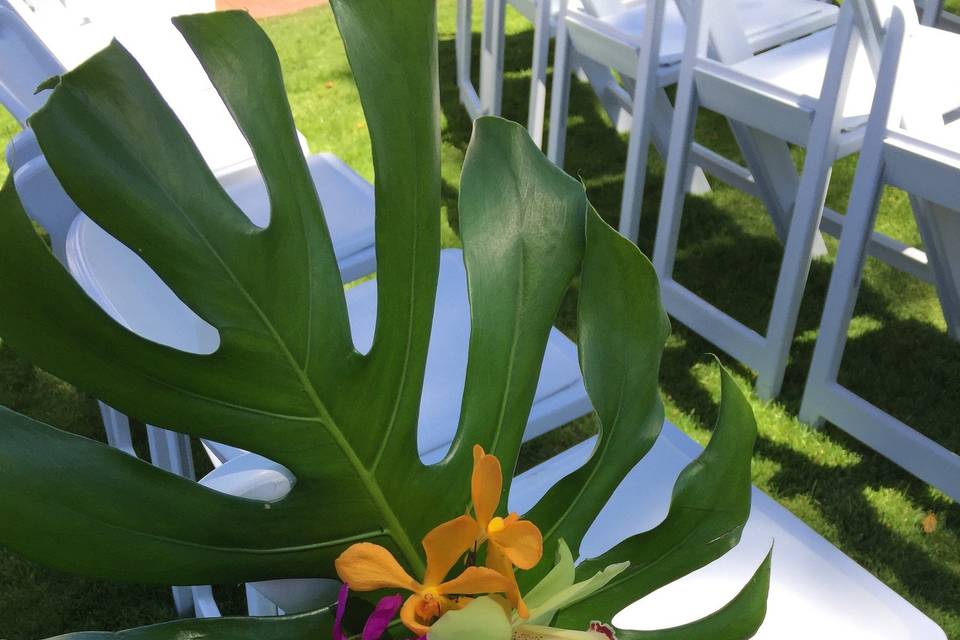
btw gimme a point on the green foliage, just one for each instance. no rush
(286, 381)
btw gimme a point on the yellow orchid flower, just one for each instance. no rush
(368, 567)
(512, 542)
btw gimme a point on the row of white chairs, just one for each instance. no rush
(816, 591)
(783, 72)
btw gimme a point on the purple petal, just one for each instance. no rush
(384, 613)
(338, 633)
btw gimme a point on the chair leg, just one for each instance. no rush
(538, 72)
(464, 52)
(771, 165)
(931, 12)
(940, 230)
(258, 604)
(560, 98)
(804, 230)
(638, 148)
(674, 191)
(171, 451)
(203, 602)
(844, 283)
(635, 177)
(792, 279)
(661, 121)
(117, 427)
(491, 56)
(183, 601)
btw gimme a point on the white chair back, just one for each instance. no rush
(71, 36)
(46, 202)
(872, 17)
(24, 64)
(908, 107)
(728, 41)
(601, 8)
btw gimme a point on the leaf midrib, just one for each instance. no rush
(392, 522)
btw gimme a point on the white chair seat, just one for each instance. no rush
(179, 77)
(798, 68)
(765, 22)
(528, 8)
(560, 388)
(129, 290)
(950, 137)
(347, 201)
(816, 591)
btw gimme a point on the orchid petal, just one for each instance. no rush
(368, 567)
(560, 577)
(445, 544)
(482, 619)
(500, 563)
(486, 485)
(408, 616)
(577, 592)
(338, 633)
(475, 580)
(521, 541)
(383, 614)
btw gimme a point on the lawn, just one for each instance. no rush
(898, 356)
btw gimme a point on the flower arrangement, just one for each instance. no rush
(483, 602)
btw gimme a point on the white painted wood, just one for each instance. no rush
(469, 96)
(623, 41)
(892, 154)
(536, 112)
(808, 209)
(24, 64)
(816, 93)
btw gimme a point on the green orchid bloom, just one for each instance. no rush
(486, 619)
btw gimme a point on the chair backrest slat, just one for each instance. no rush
(24, 64)
(872, 17)
(728, 40)
(600, 8)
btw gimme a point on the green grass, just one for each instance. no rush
(898, 354)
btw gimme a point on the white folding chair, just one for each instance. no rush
(543, 15)
(907, 146)
(58, 38)
(814, 92)
(643, 42)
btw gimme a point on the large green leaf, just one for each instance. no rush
(740, 618)
(711, 503)
(316, 625)
(285, 381)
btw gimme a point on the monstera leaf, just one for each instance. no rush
(286, 381)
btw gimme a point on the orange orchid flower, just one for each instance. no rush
(512, 541)
(368, 567)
